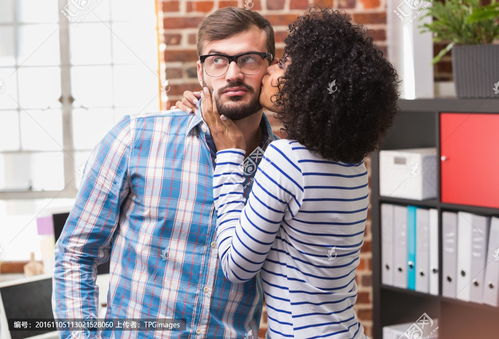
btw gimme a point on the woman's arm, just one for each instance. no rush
(246, 232)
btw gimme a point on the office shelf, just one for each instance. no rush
(418, 125)
(409, 292)
(400, 201)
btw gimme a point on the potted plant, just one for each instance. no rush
(470, 30)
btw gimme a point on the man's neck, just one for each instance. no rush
(250, 126)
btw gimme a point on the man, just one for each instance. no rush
(147, 202)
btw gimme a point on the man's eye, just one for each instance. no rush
(219, 60)
(248, 59)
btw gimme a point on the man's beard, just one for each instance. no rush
(238, 112)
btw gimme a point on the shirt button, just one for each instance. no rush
(164, 254)
(198, 331)
(213, 244)
(206, 289)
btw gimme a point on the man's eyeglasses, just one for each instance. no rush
(216, 64)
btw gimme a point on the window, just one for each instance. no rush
(68, 73)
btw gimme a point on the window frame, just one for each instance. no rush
(68, 148)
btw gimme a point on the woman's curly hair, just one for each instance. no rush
(339, 94)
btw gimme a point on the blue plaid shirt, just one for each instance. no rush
(146, 202)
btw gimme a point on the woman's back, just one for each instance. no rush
(309, 274)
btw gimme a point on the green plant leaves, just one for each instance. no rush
(461, 22)
(484, 13)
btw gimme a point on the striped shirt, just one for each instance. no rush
(302, 227)
(146, 202)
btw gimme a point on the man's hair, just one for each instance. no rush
(226, 22)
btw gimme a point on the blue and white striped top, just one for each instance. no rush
(302, 227)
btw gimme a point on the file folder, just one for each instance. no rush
(387, 244)
(422, 250)
(411, 247)
(464, 225)
(434, 252)
(449, 250)
(479, 242)
(400, 250)
(491, 288)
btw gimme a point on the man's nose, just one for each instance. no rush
(233, 72)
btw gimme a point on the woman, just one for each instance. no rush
(303, 224)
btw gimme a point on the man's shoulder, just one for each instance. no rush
(172, 114)
(162, 119)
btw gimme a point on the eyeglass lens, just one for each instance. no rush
(217, 65)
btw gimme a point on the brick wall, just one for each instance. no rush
(181, 17)
(442, 71)
(180, 20)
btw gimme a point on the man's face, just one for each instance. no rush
(236, 93)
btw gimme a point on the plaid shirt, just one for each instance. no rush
(146, 202)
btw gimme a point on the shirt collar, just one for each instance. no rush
(197, 120)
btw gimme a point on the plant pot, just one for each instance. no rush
(476, 71)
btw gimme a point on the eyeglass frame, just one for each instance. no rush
(231, 58)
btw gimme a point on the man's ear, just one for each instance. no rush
(200, 73)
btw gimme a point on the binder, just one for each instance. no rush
(411, 247)
(464, 224)
(479, 242)
(491, 288)
(387, 244)
(422, 250)
(449, 250)
(424, 327)
(433, 252)
(400, 250)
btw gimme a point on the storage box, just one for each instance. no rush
(425, 327)
(409, 173)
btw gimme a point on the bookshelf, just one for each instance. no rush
(418, 125)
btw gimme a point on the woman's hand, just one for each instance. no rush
(224, 131)
(188, 102)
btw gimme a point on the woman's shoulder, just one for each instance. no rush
(282, 147)
(286, 144)
(293, 148)
(300, 153)
(282, 150)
